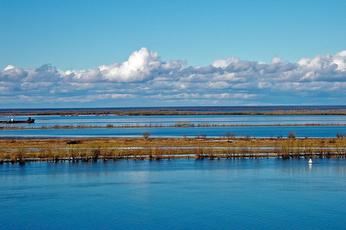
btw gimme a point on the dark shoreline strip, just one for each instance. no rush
(177, 111)
(177, 156)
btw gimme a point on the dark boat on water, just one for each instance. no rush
(12, 121)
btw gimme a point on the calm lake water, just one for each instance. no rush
(271, 131)
(175, 194)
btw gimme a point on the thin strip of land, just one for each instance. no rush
(94, 149)
(173, 111)
(177, 125)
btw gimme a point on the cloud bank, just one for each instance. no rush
(147, 80)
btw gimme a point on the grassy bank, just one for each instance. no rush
(22, 150)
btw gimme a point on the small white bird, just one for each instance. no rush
(310, 161)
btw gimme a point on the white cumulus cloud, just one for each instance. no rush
(146, 78)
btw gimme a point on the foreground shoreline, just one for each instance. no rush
(21, 150)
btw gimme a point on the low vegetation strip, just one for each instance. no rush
(178, 125)
(94, 149)
(170, 111)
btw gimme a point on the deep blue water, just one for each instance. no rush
(175, 194)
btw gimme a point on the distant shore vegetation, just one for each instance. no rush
(158, 125)
(310, 110)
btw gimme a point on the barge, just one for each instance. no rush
(12, 121)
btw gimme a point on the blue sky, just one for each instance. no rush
(84, 33)
(79, 35)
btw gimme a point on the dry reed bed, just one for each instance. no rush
(93, 149)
